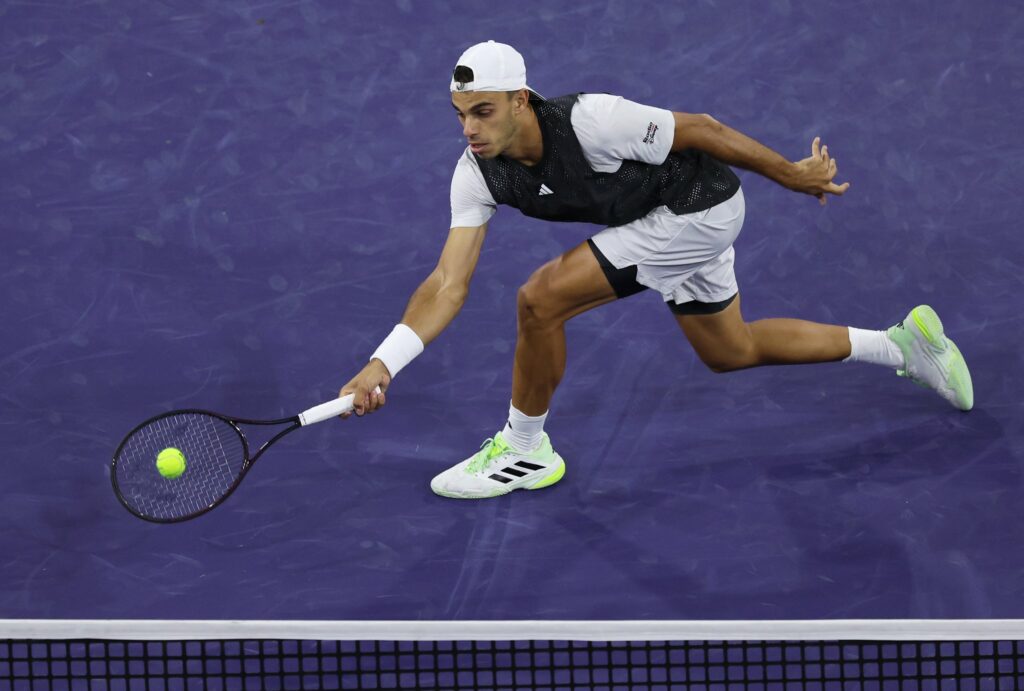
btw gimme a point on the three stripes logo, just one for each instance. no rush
(544, 189)
(524, 468)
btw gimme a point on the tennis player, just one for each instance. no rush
(659, 183)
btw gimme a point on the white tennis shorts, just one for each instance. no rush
(684, 257)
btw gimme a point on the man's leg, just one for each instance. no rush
(724, 342)
(521, 456)
(564, 287)
(916, 347)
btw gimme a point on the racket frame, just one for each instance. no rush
(247, 462)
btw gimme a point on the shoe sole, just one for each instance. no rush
(930, 327)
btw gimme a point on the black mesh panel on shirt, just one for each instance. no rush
(563, 186)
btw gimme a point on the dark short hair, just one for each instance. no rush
(462, 74)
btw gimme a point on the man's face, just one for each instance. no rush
(489, 119)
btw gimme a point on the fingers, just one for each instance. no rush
(832, 188)
(356, 399)
(816, 174)
(820, 153)
(833, 170)
(374, 400)
(364, 400)
(361, 403)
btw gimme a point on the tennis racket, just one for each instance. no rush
(217, 457)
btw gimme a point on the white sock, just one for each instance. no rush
(875, 347)
(522, 432)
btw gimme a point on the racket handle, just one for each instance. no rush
(327, 410)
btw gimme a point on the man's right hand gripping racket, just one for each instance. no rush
(181, 464)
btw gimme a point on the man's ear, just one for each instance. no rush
(519, 100)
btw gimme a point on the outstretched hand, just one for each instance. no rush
(368, 388)
(815, 173)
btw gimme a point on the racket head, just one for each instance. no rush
(216, 456)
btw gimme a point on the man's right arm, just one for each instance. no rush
(431, 309)
(440, 297)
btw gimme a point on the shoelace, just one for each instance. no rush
(491, 448)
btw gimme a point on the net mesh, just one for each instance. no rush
(214, 454)
(535, 665)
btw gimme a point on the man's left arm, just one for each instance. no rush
(813, 175)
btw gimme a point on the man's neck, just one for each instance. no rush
(528, 147)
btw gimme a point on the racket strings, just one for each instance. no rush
(215, 458)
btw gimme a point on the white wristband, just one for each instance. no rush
(399, 349)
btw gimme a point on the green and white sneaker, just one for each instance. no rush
(932, 360)
(498, 469)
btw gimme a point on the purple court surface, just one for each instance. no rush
(226, 205)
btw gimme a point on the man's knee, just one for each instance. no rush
(564, 287)
(536, 302)
(532, 304)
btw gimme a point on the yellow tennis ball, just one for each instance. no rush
(170, 463)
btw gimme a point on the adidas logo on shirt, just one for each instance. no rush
(544, 189)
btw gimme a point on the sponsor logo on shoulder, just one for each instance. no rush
(544, 189)
(652, 130)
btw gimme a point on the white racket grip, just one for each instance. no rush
(326, 411)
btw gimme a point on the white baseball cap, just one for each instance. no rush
(491, 66)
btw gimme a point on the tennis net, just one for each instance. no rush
(704, 665)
